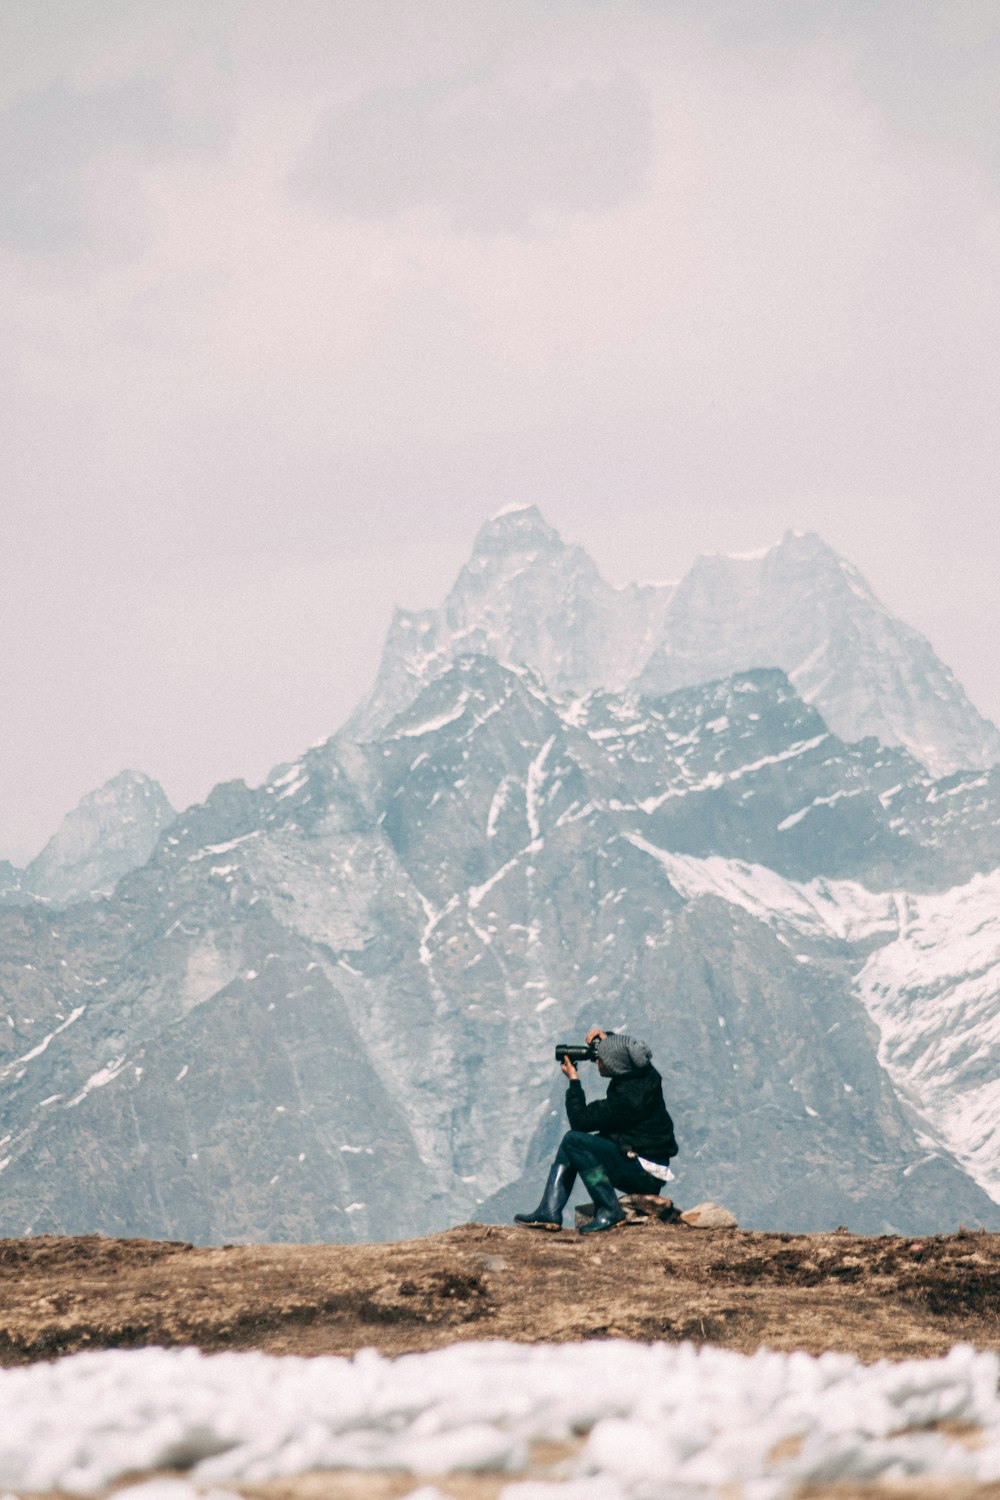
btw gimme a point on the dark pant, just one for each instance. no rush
(583, 1152)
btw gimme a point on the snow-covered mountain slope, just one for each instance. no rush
(526, 598)
(741, 765)
(934, 994)
(111, 831)
(325, 1008)
(931, 983)
(802, 608)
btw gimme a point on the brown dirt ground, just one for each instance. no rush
(882, 1298)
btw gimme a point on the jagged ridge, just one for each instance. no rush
(527, 598)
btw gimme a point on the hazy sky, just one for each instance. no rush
(295, 293)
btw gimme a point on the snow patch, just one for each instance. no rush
(803, 812)
(43, 1044)
(824, 909)
(211, 849)
(713, 1420)
(758, 554)
(294, 773)
(98, 1080)
(450, 716)
(292, 788)
(513, 509)
(477, 892)
(717, 779)
(536, 777)
(497, 805)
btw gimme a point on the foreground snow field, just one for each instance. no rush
(702, 1419)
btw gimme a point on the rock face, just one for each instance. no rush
(525, 598)
(325, 1008)
(110, 832)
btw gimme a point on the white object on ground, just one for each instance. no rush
(707, 1418)
(709, 1216)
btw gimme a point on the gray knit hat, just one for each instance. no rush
(622, 1054)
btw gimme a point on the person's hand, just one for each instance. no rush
(569, 1068)
(594, 1034)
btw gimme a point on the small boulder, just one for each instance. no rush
(709, 1216)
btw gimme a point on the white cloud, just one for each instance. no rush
(494, 158)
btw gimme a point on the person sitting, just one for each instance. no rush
(622, 1141)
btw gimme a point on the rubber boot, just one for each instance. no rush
(548, 1214)
(607, 1214)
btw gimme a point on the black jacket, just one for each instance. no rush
(633, 1114)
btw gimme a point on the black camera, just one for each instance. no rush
(575, 1053)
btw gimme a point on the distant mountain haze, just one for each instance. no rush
(324, 1008)
(526, 597)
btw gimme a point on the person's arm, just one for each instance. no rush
(611, 1114)
(576, 1100)
(574, 1094)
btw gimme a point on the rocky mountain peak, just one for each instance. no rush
(800, 559)
(111, 831)
(512, 552)
(807, 544)
(520, 530)
(524, 598)
(784, 606)
(802, 607)
(804, 555)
